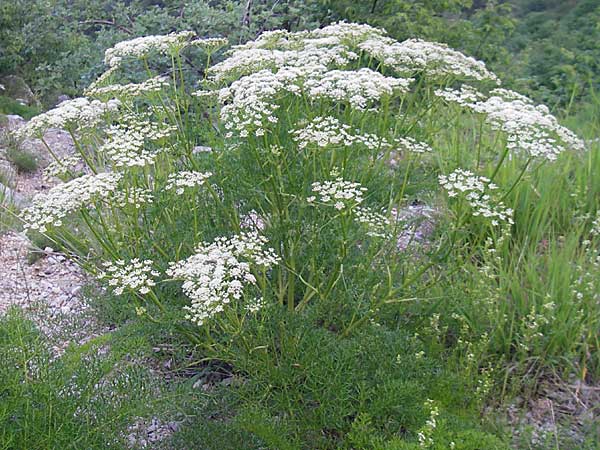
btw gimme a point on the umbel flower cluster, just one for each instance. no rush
(136, 275)
(130, 89)
(186, 179)
(328, 131)
(475, 190)
(127, 140)
(62, 168)
(339, 193)
(143, 46)
(49, 209)
(79, 113)
(529, 129)
(218, 273)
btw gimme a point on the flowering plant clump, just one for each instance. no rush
(267, 182)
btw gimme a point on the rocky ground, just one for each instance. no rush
(41, 281)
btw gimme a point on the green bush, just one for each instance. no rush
(263, 214)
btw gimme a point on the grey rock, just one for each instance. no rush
(62, 98)
(10, 197)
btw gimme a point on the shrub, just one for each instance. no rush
(285, 181)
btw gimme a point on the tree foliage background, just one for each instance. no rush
(549, 49)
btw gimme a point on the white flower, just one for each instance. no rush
(209, 45)
(48, 209)
(338, 193)
(129, 90)
(185, 179)
(475, 190)
(133, 196)
(465, 96)
(135, 275)
(328, 131)
(377, 224)
(79, 113)
(127, 140)
(530, 129)
(61, 168)
(248, 104)
(359, 88)
(142, 46)
(217, 274)
(432, 58)
(253, 306)
(412, 145)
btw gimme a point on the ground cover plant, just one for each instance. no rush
(327, 197)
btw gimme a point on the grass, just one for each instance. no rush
(11, 106)
(24, 160)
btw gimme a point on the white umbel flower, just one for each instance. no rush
(328, 131)
(135, 275)
(360, 88)
(76, 114)
(49, 209)
(62, 167)
(217, 274)
(432, 58)
(142, 46)
(377, 224)
(155, 84)
(463, 184)
(339, 193)
(126, 144)
(530, 129)
(186, 179)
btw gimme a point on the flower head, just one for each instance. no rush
(218, 272)
(135, 275)
(48, 209)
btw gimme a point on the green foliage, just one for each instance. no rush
(305, 387)
(59, 46)
(556, 50)
(86, 397)
(24, 160)
(11, 106)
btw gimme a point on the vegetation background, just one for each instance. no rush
(547, 49)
